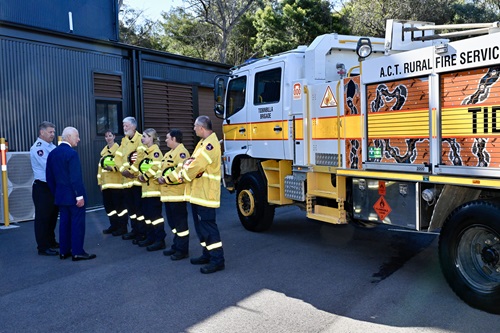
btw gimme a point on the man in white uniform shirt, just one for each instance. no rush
(45, 209)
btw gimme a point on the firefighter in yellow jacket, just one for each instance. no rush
(202, 176)
(173, 196)
(148, 163)
(110, 182)
(132, 188)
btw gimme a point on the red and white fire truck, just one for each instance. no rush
(400, 131)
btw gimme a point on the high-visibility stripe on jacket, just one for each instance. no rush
(123, 155)
(152, 156)
(173, 158)
(109, 179)
(203, 173)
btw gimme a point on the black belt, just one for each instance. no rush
(38, 181)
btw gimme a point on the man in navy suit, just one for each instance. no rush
(64, 177)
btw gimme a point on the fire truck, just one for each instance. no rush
(401, 130)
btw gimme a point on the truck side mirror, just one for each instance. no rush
(219, 88)
(219, 92)
(219, 110)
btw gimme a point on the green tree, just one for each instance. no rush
(368, 17)
(493, 5)
(240, 47)
(477, 12)
(284, 25)
(184, 34)
(223, 16)
(136, 30)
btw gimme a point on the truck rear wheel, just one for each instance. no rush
(469, 253)
(251, 202)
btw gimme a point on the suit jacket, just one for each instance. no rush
(64, 175)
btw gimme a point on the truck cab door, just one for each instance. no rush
(267, 127)
(235, 125)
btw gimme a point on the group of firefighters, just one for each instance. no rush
(136, 179)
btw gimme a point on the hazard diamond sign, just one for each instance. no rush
(382, 208)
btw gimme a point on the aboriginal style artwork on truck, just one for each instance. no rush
(469, 105)
(352, 107)
(398, 121)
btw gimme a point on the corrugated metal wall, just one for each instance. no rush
(46, 82)
(178, 72)
(53, 15)
(42, 82)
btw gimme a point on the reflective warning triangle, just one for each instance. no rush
(329, 100)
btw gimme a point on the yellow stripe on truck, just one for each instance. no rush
(257, 131)
(235, 132)
(352, 127)
(470, 121)
(399, 124)
(325, 128)
(267, 130)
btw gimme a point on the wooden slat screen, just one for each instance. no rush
(206, 105)
(107, 85)
(166, 106)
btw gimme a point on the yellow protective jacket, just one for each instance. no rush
(203, 174)
(109, 179)
(148, 166)
(124, 158)
(173, 158)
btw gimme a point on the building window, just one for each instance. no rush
(109, 116)
(108, 93)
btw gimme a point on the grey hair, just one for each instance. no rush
(68, 131)
(204, 121)
(130, 120)
(45, 124)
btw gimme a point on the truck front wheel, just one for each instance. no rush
(251, 202)
(469, 253)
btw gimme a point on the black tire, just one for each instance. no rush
(254, 211)
(469, 253)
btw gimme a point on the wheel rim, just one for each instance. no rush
(246, 203)
(478, 258)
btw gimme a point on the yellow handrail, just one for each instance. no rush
(5, 189)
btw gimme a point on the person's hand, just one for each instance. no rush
(80, 203)
(126, 173)
(161, 180)
(108, 168)
(141, 179)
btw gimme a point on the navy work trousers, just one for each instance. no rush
(208, 233)
(132, 201)
(45, 215)
(177, 218)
